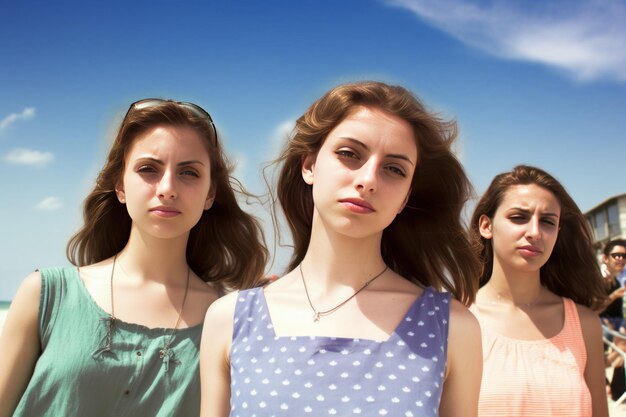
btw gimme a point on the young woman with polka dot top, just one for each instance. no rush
(373, 195)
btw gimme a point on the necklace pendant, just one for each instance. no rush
(316, 316)
(166, 356)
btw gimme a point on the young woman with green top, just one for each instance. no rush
(118, 334)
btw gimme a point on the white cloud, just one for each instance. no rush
(584, 38)
(282, 131)
(240, 162)
(276, 141)
(49, 204)
(21, 156)
(27, 113)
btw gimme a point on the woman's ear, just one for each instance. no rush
(484, 227)
(119, 192)
(210, 199)
(308, 168)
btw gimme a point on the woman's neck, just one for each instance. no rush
(335, 259)
(519, 287)
(147, 258)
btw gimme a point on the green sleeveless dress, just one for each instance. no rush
(85, 370)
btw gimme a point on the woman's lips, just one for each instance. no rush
(357, 205)
(164, 211)
(530, 251)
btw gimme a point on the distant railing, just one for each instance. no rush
(609, 332)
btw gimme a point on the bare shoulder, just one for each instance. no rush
(285, 284)
(589, 322)
(204, 293)
(464, 337)
(28, 294)
(595, 367)
(24, 311)
(464, 331)
(464, 362)
(221, 311)
(460, 316)
(19, 343)
(219, 323)
(585, 313)
(31, 286)
(94, 273)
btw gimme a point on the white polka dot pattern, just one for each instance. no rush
(325, 376)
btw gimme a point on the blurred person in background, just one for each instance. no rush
(614, 259)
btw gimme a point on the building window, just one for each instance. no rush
(599, 225)
(613, 219)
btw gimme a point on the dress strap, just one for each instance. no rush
(429, 313)
(252, 314)
(571, 323)
(54, 289)
(572, 320)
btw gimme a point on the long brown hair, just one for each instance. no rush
(572, 270)
(426, 243)
(226, 247)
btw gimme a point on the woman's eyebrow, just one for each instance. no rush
(528, 211)
(389, 155)
(160, 162)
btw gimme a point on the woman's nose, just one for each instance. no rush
(367, 176)
(166, 187)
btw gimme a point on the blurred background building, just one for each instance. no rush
(608, 221)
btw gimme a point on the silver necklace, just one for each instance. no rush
(500, 296)
(165, 352)
(317, 313)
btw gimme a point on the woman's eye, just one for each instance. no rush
(549, 222)
(145, 169)
(189, 172)
(347, 154)
(517, 219)
(396, 170)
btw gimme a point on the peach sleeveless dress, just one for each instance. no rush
(538, 378)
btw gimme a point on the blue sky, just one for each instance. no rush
(542, 84)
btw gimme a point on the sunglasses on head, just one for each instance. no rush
(618, 255)
(193, 108)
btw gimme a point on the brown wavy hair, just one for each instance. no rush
(226, 247)
(426, 243)
(572, 270)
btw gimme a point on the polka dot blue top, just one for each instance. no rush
(322, 376)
